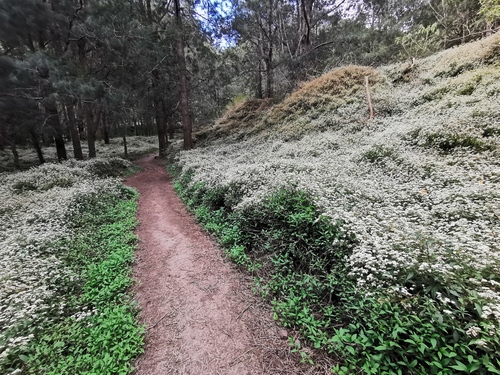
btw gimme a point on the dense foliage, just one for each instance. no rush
(405, 206)
(66, 246)
(80, 70)
(300, 262)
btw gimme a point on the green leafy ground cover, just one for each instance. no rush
(299, 260)
(67, 244)
(377, 239)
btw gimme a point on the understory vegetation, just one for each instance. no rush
(136, 147)
(66, 246)
(377, 239)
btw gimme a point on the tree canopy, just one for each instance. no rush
(86, 69)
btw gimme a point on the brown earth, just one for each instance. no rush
(200, 313)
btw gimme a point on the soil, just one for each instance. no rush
(200, 313)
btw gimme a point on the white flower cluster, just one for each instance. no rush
(34, 209)
(135, 145)
(420, 211)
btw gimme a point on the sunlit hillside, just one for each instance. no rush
(418, 186)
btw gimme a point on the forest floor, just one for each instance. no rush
(200, 313)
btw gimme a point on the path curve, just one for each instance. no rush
(200, 313)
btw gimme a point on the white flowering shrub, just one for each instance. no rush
(418, 187)
(136, 146)
(39, 285)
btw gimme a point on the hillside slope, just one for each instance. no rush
(419, 187)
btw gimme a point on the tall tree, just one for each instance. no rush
(183, 80)
(305, 26)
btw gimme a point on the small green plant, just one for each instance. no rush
(378, 153)
(296, 348)
(470, 87)
(456, 69)
(491, 132)
(436, 94)
(450, 141)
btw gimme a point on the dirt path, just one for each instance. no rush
(201, 315)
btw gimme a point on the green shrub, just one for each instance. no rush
(111, 167)
(449, 142)
(378, 154)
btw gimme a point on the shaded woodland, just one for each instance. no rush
(80, 70)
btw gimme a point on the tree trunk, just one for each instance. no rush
(75, 134)
(36, 145)
(159, 114)
(66, 126)
(3, 136)
(160, 127)
(89, 122)
(105, 128)
(168, 130)
(149, 125)
(187, 126)
(55, 123)
(259, 93)
(269, 76)
(266, 46)
(136, 127)
(305, 13)
(47, 139)
(150, 13)
(124, 137)
(13, 148)
(60, 147)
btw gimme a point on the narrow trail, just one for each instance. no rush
(200, 313)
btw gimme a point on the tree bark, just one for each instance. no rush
(305, 16)
(150, 13)
(169, 130)
(36, 145)
(55, 123)
(268, 56)
(89, 122)
(15, 154)
(187, 125)
(3, 136)
(160, 127)
(105, 128)
(136, 127)
(75, 134)
(124, 137)
(259, 93)
(159, 114)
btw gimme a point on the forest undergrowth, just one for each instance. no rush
(136, 147)
(66, 247)
(377, 239)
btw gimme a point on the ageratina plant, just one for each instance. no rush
(136, 146)
(419, 186)
(34, 209)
